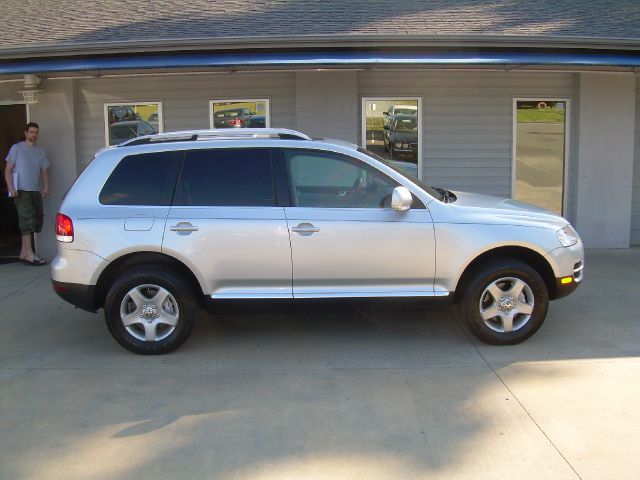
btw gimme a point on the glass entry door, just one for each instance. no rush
(540, 150)
(391, 128)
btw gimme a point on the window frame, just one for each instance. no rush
(567, 141)
(267, 114)
(363, 123)
(105, 116)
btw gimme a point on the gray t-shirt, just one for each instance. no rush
(27, 163)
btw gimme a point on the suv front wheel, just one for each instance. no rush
(150, 310)
(505, 302)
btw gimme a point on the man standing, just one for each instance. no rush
(25, 163)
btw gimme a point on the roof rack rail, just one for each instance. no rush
(219, 134)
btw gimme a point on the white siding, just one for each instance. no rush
(467, 121)
(185, 101)
(635, 206)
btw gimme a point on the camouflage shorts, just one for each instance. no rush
(29, 207)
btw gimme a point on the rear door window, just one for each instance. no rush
(144, 179)
(226, 177)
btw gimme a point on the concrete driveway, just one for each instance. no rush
(324, 391)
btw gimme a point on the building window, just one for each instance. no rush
(392, 128)
(540, 143)
(252, 113)
(124, 121)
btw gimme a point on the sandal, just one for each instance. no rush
(36, 262)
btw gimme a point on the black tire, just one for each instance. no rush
(477, 303)
(178, 307)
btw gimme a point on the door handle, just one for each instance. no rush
(305, 229)
(183, 227)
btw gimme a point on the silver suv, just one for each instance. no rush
(162, 225)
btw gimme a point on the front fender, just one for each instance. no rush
(458, 245)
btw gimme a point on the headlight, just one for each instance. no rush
(398, 145)
(567, 236)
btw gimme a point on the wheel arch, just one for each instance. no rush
(524, 254)
(131, 260)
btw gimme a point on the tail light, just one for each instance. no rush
(236, 122)
(64, 228)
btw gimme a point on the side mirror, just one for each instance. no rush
(386, 127)
(401, 199)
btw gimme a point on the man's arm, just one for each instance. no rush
(45, 179)
(8, 178)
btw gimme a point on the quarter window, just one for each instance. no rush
(323, 179)
(226, 177)
(145, 179)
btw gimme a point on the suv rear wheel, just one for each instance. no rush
(505, 302)
(150, 310)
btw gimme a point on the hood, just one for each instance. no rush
(505, 210)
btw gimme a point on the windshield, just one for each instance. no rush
(406, 125)
(430, 190)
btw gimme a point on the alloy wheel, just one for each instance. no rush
(149, 313)
(506, 305)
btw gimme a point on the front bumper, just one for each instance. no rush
(406, 150)
(568, 284)
(568, 263)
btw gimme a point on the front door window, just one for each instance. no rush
(325, 180)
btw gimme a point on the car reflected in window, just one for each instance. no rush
(401, 136)
(122, 131)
